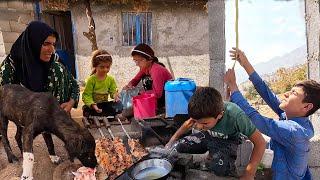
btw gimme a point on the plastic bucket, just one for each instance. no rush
(177, 95)
(144, 105)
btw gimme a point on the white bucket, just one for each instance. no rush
(267, 158)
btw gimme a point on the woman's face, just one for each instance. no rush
(140, 61)
(47, 48)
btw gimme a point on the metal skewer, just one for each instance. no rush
(124, 130)
(107, 125)
(97, 123)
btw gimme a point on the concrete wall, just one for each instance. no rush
(313, 44)
(176, 30)
(14, 16)
(179, 38)
(123, 68)
(217, 41)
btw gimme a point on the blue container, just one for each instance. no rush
(177, 95)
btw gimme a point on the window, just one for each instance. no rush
(136, 28)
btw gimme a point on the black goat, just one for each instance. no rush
(36, 113)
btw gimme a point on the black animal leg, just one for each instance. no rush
(4, 128)
(28, 135)
(18, 137)
(49, 142)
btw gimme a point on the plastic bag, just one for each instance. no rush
(267, 157)
(126, 97)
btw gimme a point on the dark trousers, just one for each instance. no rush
(108, 109)
(222, 152)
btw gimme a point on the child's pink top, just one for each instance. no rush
(159, 75)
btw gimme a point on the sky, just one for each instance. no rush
(267, 28)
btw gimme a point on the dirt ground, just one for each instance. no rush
(43, 168)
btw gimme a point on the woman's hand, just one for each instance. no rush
(67, 106)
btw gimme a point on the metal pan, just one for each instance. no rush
(152, 169)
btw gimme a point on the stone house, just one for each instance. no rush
(177, 31)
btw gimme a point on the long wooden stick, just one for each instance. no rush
(237, 29)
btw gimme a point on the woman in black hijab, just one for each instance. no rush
(32, 62)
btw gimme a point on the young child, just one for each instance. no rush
(290, 134)
(152, 73)
(222, 125)
(99, 87)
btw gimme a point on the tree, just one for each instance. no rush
(91, 35)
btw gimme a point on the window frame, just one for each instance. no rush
(136, 28)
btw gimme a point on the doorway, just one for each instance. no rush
(61, 22)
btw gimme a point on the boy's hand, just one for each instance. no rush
(247, 176)
(228, 93)
(230, 80)
(238, 55)
(170, 143)
(189, 123)
(95, 107)
(186, 126)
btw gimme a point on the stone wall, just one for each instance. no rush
(313, 44)
(14, 16)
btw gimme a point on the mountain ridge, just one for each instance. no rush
(296, 57)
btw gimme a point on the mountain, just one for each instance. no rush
(291, 59)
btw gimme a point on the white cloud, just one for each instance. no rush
(279, 20)
(278, 30)
(277, 8)
(297, 30)
(271, 51)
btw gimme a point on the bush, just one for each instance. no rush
(280, 82)
(287, 78)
